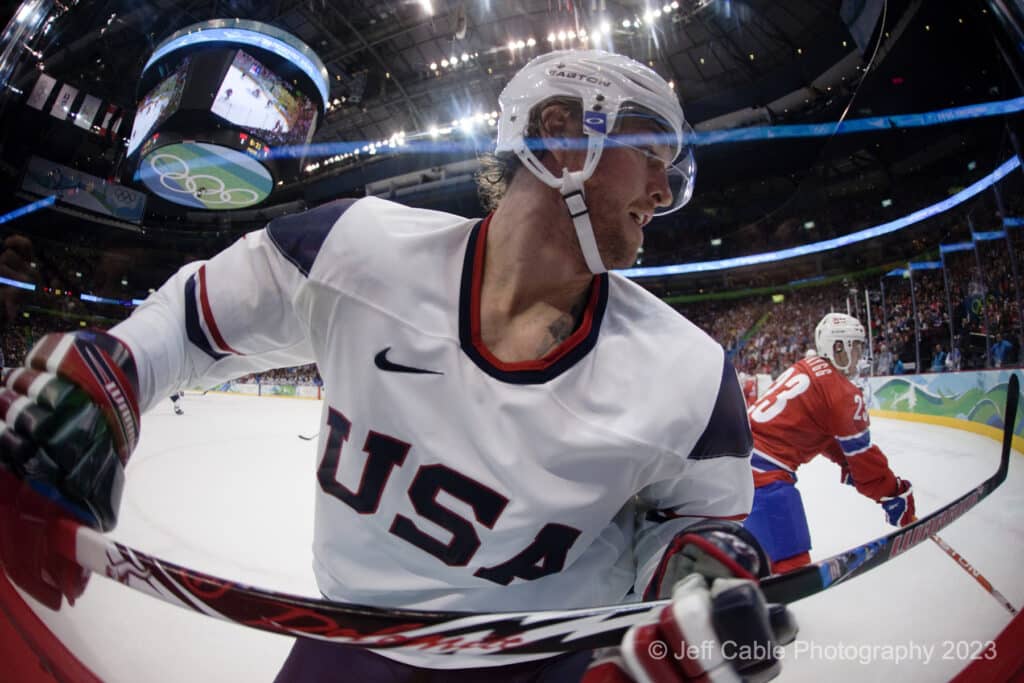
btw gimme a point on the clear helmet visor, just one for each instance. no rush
(663, 152)
(681, 174)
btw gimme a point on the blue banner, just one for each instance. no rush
(959, 246)
(991, 235)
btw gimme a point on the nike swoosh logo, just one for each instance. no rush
(382, 362)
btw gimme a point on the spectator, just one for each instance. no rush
(883, 361)
(953, 359)
(1001, 351)
(939, 359)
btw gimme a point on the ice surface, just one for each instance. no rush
(228, 488)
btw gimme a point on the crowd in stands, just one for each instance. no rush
(770, 336)
(975, 323)
(307, 375)
(763, 336)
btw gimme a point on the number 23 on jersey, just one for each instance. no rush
(788, 386)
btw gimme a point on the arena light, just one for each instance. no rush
(17, 283)
(861, 235)
(866, 125)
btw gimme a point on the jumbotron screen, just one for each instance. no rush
(157, 105)
(253, 97)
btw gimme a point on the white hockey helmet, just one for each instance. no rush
(842, 328)
(608, 86)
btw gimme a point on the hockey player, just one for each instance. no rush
(175, 400)
(813, 408)
(508, 425)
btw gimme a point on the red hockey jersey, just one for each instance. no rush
(813, 408)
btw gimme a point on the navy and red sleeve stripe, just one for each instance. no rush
(200, 323)
(727, 433)
(298, 238)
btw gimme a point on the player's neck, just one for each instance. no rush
(535, 283)
(531, 253)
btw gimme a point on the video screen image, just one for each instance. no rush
(255, 98)
(157, 105)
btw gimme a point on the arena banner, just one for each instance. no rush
(967, 400)
(307, 391)
(277, 390)
(45, 178)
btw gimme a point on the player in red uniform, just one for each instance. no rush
(813, 408)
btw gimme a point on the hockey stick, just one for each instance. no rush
(496, 634)
(967, 567)
(308, 438)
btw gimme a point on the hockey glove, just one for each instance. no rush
(718, 626)
(899, 507)
(69, 420)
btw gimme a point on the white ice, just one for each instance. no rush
(245, 109)
(228, 488)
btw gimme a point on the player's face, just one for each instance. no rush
(856, 351)
(629, 183)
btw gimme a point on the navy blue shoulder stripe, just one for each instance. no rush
(192, 326)
(299, 236)
(728, 431)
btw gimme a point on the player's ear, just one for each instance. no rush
(562, 134)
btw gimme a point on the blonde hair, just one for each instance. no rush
(497, 171)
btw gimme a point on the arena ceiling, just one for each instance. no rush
(379, 54)
(735, 64)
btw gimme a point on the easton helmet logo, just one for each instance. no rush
(575, 76)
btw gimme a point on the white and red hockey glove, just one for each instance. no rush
(717, 628)
(899, 507)
(70, 421)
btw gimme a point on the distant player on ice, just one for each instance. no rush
(508, 425)
(176, 402)
(813, 407)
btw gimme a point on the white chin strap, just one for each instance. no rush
(572, 195)
(570, 186)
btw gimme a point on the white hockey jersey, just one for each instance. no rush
(447, 478)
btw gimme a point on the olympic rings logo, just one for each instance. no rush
(206, 188)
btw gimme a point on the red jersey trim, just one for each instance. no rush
(559, 359)
(211, 323)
